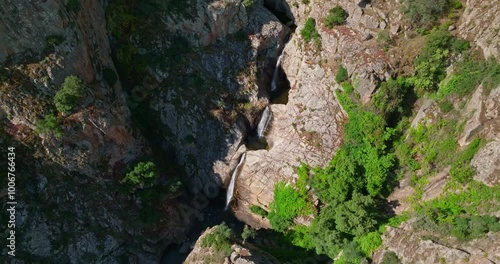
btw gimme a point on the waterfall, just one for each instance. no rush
(264, 121)
(230, 188)
(275, 74)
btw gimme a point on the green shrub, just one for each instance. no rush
(369, 243)
(258, 210)
(309, 31)
(469, 74)
(48, 123)
(348, 88)
(384, 38)
(424, 13)
(247, 233)
(110, 76)
(306, 2)
(446, 106)
(336, 16)
(248, 3)
(219, 239)
(342, 75)
(460, 45)
(70, 94)
(390, 258)
(287, 205)
(142, 174)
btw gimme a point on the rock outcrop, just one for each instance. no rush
(479, 23)
(412, 247)
(239, 254)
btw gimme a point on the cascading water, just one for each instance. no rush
(230, 188)
(264, 122)
(274, 81)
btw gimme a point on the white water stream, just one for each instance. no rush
(264, 122)
(230, 188)
(275, 74)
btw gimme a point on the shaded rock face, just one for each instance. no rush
(204, 124)
(70, 206)
(410, 247)
(209, 21)
(99, 129)
(479, 23)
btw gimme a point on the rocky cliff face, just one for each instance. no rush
(70, 208)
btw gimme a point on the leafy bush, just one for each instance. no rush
(142, 174)
(424, 13)
(384, 38)
(219, 239)
(309, 32)
(369, 243)
(469, 74)
(247, 233)
(342, 74)
(248, 3)
(461, 170)
(390, 258)
(110, 76)
(48, 123)
(258, 210)
(287, 205)
(70, 94)
(336, 16)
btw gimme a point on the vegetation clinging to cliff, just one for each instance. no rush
(336, 16)
(70, 94)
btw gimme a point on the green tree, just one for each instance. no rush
(70, 94)
(48, 124)
(247, 233)
(143, 174)
(309, 31)
(356, 216)
(336, 16)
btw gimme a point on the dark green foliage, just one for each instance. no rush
(305, 2)
(47, 124)
(258, 210)
(309, 32)
(384, 38)
(110, 76)
(390, 258)
(424, 13)
(219, 239)
(342, 75)
(287, 204)
(73, 6)
(388, 100)
(445, 106)
(336, 16)
(247, 233)
(356, 216)
(4, 75)
(142, 174)
(70, 94)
